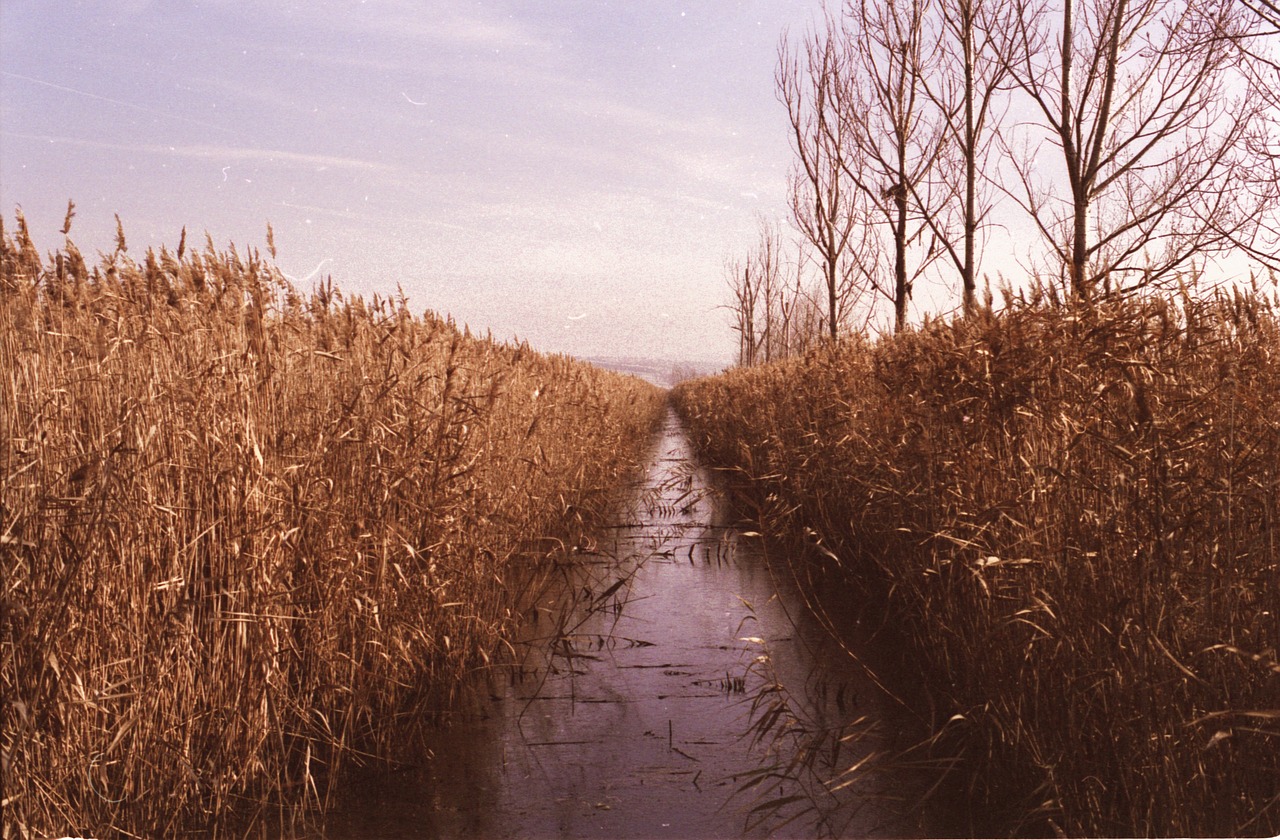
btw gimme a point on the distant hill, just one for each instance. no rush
(661, 372)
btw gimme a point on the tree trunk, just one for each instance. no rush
(970, 167)
(902, 292)
(833, 271)
(1079, 264)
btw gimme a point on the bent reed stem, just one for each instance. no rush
(249, 534)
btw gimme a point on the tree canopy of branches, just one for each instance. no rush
(823, 200)
(895, 139)
(1152, 126)
(968, 97)
(1138, 138)
(774, 314)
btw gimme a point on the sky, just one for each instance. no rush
(568, 172)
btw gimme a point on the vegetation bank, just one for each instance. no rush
(1072, 513)
(248, 534)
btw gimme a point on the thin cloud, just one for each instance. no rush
(607, 107)
(496, 33)
(118, 102)
(242, 153)
(408, 19)
(221, 154)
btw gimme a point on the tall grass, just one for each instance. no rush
(1073, 516)
(249, 534)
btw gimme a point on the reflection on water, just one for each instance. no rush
(632, 719)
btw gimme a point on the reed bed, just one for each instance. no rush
(249, 535)
(1072, 516)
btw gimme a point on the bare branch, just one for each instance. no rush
(1145, 101)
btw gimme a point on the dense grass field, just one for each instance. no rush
(1074, 518)
(249, 534)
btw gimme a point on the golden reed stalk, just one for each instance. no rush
(1073, 515)
(249, 534)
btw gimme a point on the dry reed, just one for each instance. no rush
(248, 535)
(1073, 516)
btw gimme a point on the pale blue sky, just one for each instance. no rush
(572, 173)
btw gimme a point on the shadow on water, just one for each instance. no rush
(685, 692)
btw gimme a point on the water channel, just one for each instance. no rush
(674, 700)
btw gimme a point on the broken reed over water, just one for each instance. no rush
(248, 534)
(1074, 516)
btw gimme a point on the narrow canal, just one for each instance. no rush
(675, 699)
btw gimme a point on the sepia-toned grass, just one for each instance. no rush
(1074, 518)
(249, 535)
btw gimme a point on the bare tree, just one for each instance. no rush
(1143, 103)
(1259, 47)
(745, 286)
(759, 297)
(801, 311)
(966, 92)
(806, 318)
(823, 201)
(1267, 11)
(776, 313)
(768, 301)
(892, 137)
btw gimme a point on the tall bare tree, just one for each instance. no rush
(968, 91)
(823, 200)
(892, 136)
(1142, 100)
(1259, 47)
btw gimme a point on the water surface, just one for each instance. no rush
(686, 671)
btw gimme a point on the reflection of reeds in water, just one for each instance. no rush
(824, 757)
(1072, 515)
(249, 534)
